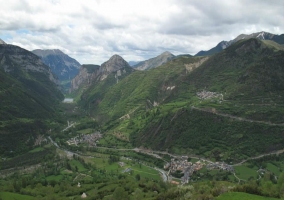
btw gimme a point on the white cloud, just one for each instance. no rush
(93, 30)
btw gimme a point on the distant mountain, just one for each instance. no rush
(132, 63)
(28, 95)
(2, 42)
(90, 74)
(154, 62)
(259, 35)
(65, 67)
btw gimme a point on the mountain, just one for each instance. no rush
(29, 95)
(87, 74)
(227, 105)
(259, 35)
(2, 42)
(97, 75)
(222, 107)
(154, 62)
(65, 67)
(115, 63)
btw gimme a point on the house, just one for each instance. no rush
(83, 196)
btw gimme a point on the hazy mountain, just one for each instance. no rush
(259, 35)
(154, 62)
(132, 63)
(65, 67)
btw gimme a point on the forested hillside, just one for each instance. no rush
(28, 94)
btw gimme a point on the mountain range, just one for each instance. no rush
(259, 35)
(243, 81)
(196, 104)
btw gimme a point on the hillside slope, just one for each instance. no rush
(28, 94)
(229, 107)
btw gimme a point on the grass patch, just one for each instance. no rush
(244, 172)
(9, 196)
(272, 168)
(37, 149)
(242, 196)
(53, 177)
(86, 131)
(76, 163)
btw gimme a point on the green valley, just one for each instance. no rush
(192, 128)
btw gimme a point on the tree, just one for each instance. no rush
(138, 194)
(119, 194)
(137, 177)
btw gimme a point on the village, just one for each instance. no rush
(90, 139)
(188, 168)
(209, 95)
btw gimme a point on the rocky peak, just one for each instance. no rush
(155, 62)
(87, 74)
(115, 63)
(166, 53)
(2, 42)
(47, 52)
(259, 35)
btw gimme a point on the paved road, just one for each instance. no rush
(260, 156)
(236, 118)
(165, 177)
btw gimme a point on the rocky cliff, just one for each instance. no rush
(2, 42)
(14, 59)
(89, 74)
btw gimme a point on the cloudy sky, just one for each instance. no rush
(93, 30)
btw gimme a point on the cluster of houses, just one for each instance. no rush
(209, 95)
(90, 139)
(178, 164)
(188, 168)
(220, 165)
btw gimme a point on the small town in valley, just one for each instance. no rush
(90, 139)
(187, 168)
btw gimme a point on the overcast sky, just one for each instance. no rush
(93, 30)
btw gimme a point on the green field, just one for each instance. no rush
(76, 163)
(274, 169)
(53, 177)
(86, 131)
(13, 196)
(244, 172)
(242, 196)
